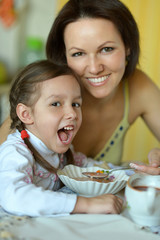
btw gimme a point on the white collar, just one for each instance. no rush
(48, 154)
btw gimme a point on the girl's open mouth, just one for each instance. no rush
(65, 134)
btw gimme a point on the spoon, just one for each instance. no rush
(105, 174)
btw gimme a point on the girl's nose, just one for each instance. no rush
(70, 113)
(95, 66)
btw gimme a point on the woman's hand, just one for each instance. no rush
(106, 204)
(154, 163)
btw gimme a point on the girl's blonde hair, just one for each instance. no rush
(25, 89)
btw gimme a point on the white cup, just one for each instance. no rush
(142, 196)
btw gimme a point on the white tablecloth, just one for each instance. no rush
(73, 227)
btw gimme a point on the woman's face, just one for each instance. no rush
(96, 52)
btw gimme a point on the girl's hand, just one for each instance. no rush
(106, 204)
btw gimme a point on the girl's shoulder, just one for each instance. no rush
(13, 139)
(14, 146)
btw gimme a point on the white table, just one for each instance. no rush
(73, 227)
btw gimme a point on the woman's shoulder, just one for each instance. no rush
(141, 90)
(139, 77)
(140, 83)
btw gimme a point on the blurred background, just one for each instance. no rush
(24, 27)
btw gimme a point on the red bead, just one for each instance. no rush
(24, 134)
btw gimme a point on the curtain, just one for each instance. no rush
(139, 140)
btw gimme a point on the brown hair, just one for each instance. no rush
(25, 89)
(112, 10)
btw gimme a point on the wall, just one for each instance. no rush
(34, 18)
(139, 140)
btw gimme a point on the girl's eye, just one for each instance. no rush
(77, 54)
(56, 104)
(77, 105)
(107, 49)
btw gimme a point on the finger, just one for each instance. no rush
(154, 157)
(154, 163)
(120, 201)
(146, 169)
(118, 205)
(114, 206)
(118, 208)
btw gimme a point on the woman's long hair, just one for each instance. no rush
(113, 10)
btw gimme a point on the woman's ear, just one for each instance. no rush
(128, 52)
(24, 113)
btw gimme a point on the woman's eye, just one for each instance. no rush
(77, 105)
(107, 49)
(56, 104)
(77, 54)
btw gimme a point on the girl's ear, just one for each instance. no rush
(24, 113)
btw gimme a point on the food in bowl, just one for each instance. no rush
(87, 187)
(100, 180)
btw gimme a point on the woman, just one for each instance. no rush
(99, 40)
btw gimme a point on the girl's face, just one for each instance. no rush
(56, 115)
(96, 52)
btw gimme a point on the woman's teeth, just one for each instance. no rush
(98, 80)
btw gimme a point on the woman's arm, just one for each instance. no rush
(145, 102)
(5, 130)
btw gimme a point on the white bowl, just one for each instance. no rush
(90, 188)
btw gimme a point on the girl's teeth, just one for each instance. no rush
(68, 128)
(98, 80)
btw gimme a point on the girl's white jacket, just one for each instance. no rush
(25, 187)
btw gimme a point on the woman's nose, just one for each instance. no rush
(95, 65)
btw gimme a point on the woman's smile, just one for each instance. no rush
(99, 63)
(98, 81)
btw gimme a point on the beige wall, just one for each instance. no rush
(34, 18)
(147, 14)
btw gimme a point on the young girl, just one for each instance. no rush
(45, 101)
